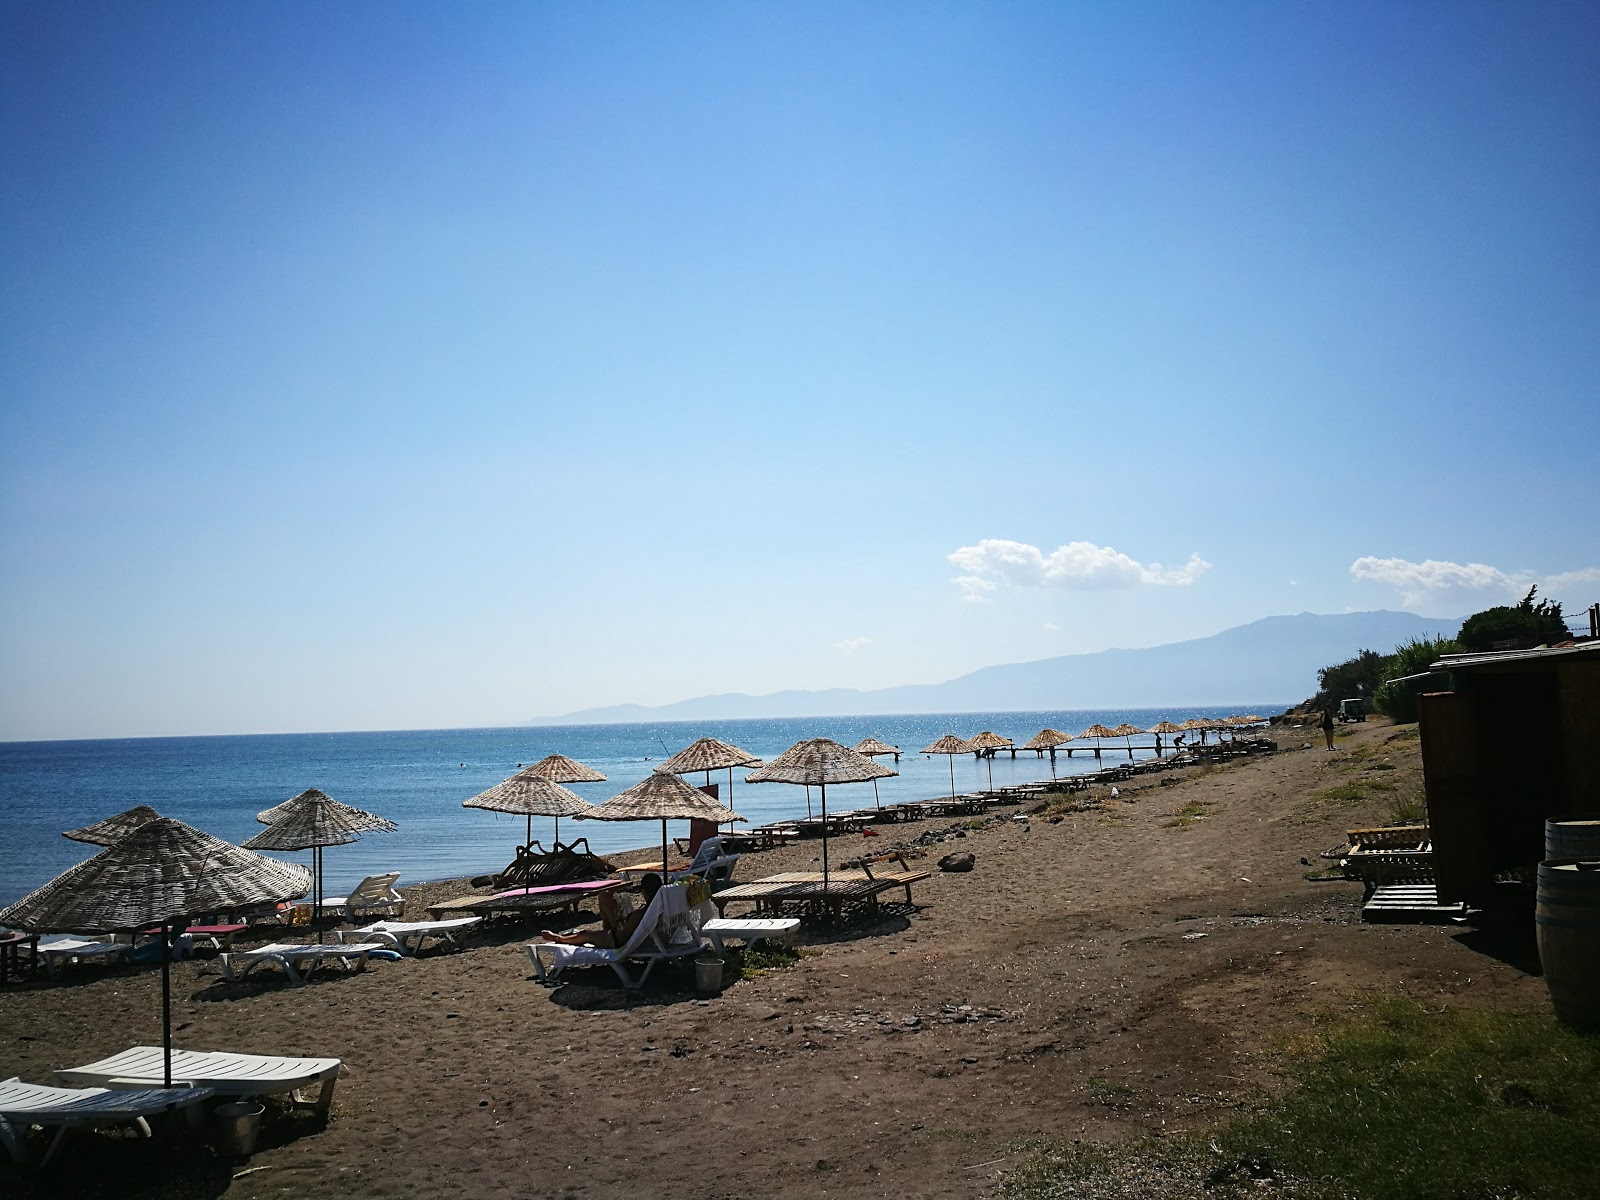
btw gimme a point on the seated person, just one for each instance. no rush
(618, 929)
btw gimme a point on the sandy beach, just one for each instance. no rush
(1113, 971)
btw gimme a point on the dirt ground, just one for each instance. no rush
(1117, 971)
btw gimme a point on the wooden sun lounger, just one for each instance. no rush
(556, 898)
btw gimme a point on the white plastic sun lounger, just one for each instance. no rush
(291, 955)
(25, 1104)
(751, 929)
(58, 953)
(408, 936)
(240, 1075)
(658, 938)
(374, 896)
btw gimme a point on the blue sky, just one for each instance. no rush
(403, 365)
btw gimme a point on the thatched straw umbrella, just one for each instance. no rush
(820, 761)
(951, 746)
(113, 829)
(311, 821)
(708, 755)
(661, 796)
(871, 747)
(1047, 739)
(531, 794)
(1165, 727)
(162, 872)
(558, 768)
(1097, 732)
(1195, 724)
(1126, 732)
(989, 742)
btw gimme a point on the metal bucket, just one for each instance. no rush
(708, 976)
(234, 1128)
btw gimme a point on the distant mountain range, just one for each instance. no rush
(1275, 658)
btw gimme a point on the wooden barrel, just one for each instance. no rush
(1568, 925)
(1572, 840)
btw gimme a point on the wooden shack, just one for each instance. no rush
(1513, 738)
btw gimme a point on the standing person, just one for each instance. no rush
(1327, 726)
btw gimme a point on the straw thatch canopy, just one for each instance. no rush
(161, 871)
(660, 796)
(1126, 730)
(1046, 739)
(872, 747)
(307, 826)
(357, 820)
(708, 754)
(529, 794)
(988, 741)
(820, 761)
(1099, 731)
(1166, 727)
(113, 829)
(558, 768)
(948, 744)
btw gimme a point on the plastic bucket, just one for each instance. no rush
(234, 1128)
(708, 976)
(1568, 925)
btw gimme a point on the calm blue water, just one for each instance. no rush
(419, 778)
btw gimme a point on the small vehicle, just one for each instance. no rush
(1352, 710)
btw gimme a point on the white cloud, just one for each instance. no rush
(1051, 627)
(1567, 579)
(1079, 565)
(851, 645)
(1435, 581)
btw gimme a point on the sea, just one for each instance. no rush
(418, 779)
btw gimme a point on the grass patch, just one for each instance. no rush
(1107, 1091)
(1187, 815)
(1399, 1102)
(1329, 801)
(755, 959)
(1112, 816)
(1408, 806)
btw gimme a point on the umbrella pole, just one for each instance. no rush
(952, 759)
(664, 872)
(528, 841)
(876, 802)
(808, 801)
(317, 903)
(989, 762)
(166, 1002)
(824, 788)
(557, 835)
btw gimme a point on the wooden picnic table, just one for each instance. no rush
(520, 901)
(808, 889)
(11, 957)
(765, 837)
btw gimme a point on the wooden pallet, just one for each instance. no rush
(1409, 902)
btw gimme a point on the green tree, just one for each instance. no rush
(1528, 623)
(1360, 677)
(1398, 701)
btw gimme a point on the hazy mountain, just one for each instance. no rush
(1273, 659)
